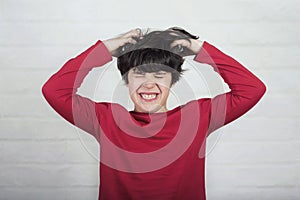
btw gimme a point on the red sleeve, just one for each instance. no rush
(60, 90)
(246, 88)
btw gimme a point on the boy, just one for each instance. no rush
(152, 153)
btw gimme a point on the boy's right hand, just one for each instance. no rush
(114, 43)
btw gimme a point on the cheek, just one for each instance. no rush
(166, 82)
(165, 86)
(133, 86)
(165, 91)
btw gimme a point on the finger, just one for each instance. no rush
(130, 40)
(137, 32)
(179, 42)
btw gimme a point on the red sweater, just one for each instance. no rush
(156, 156)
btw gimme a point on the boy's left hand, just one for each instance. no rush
(191, 48)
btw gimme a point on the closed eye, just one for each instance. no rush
(160, 74)
(138, 74)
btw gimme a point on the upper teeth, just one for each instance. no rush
(148, 96)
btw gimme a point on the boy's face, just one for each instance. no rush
(149, 91)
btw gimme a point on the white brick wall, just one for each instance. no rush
(44, 157)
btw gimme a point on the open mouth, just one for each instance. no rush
(149, 96)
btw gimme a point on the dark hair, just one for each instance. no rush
(153, 53)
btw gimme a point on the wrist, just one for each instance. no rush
(199, 45)
(106, 43)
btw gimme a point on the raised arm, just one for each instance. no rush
(61, 89)
(246, 88)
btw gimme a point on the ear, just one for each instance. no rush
(126, 84)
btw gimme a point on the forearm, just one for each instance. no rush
(246, 88)
(240, 80)
(72, 73)
(60, 90)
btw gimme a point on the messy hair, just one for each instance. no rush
(153, 53)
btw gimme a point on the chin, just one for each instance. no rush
(148, 109)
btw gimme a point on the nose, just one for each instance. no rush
(148, 84)
(148, 81)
